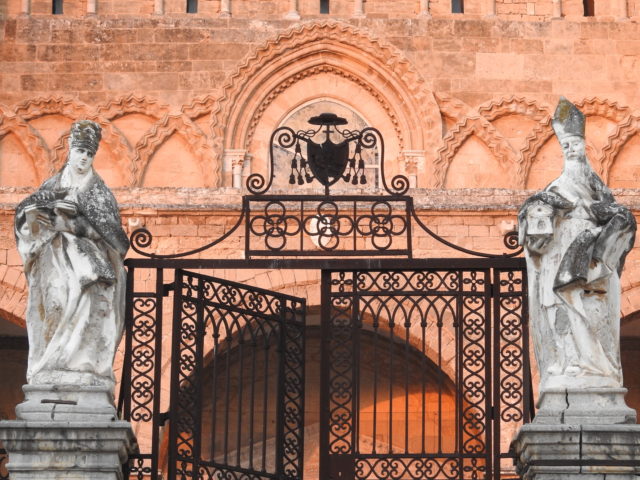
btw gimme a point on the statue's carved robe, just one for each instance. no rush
(574, 281)
(75, 312)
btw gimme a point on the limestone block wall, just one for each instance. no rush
(534, 10)
(187, 103)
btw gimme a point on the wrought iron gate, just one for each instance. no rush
(236, 385)
(247, 326)
(424, 361)
(421, 368)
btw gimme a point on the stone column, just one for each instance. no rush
(413, 165)
(233, 162)
(491, 8)
(91, 7)
(293, 13)
(358, 8)
(624, 9)
(225, 8)
(557, 8)
(25, 7)
(158, 7)
(424, 8)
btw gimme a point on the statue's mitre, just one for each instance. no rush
(85, 134)
(567, 120)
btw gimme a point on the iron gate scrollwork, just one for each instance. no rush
(424, 365)
(253, 334)
(418, 374)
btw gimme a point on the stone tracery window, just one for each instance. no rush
(324, 6)
(192, 6)
(56, 7)
(457, 6)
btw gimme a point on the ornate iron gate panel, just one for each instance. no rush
(236, 410)
(414, 382)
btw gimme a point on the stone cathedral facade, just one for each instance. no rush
(188, 92)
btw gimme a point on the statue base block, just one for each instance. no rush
(54, 450)
(584, 406)
(578, 452)
(72, 403)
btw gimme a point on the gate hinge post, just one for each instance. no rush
(168, 287)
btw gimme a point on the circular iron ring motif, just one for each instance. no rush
(327, 225)
(275, 225)
(381, 225)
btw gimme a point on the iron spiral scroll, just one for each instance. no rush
(328, 224)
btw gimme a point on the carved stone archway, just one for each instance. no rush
(263, 89)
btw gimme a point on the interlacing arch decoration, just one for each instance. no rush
(454, 139)
(13, 297)
(624, 132)
(160, 132)
(453, 108)
(288, 82)
(41, 106)
(513, 105)
(629, 300)
(591, 107)
(32, 142)
(199, 107)
(121, 106)
(112, 137)
(310, 46)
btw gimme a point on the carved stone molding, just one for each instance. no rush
(591, 106)
(605, 108)
(287, 83)
(160, 132)
(623, 133)
(112, 138)
(454, 139)
(198, 107)
(245, 93)
(32, 142)
(453, 108)
(119, 107)
(13, 297)
(65, 106)
(513, 105)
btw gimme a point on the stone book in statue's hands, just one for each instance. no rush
(40, 214)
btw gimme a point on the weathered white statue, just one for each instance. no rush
(576, 238)
(72, 244)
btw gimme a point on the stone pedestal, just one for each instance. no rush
(578, 452)
(580, 434)
(63, 450)
(584, 406)
(71, 403)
